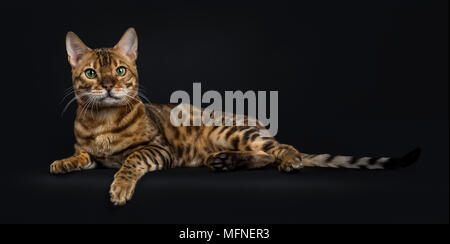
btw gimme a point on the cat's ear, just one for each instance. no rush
(128, 44)
(76, 49)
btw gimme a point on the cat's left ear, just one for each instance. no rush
(128, 44)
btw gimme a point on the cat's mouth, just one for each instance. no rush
(107, 97)
(110, 97)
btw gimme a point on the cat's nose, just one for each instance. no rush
(108, 86)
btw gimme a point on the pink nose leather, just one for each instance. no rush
(108, 86)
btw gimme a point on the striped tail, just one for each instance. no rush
(350, 162)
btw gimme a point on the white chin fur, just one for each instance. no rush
(103, 99)
(110, 101)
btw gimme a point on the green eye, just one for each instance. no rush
(121, 71)
(90, 73)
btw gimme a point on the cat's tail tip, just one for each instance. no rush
(352, 162)
(405, 161)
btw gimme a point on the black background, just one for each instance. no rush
(354, 78)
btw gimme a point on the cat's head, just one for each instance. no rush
(104, 77)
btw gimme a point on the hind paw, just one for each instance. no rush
(222, 162)
(291, 165)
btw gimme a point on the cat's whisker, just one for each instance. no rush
(142, 86)
(91, 106)
(67, 105)
(68, 90)
(85, 105)
(143, 91)
(70, 102)
(82, 108)
(133, 98)
(141, 95)
(66, 95)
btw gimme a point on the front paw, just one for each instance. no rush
(122, 190)
(62, 167)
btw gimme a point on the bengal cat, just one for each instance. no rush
(114, 128)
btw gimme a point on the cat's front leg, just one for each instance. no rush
(81, 161)
(136, 165)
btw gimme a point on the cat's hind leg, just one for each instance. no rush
(286, 156)
(248, 148)
(231, 160)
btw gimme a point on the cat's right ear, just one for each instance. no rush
(76, 49)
